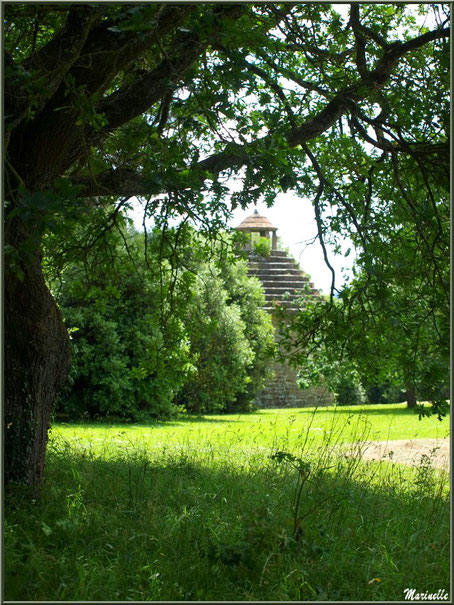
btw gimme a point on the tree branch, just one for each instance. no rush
(128, 183)
(318, 216)
(397, 50)
(274, 86)
(359, 28)
(124, 182)
(360, 42)
(358, 91)
(108, 51)
(415, 149)
(138, 97)
(52, 61)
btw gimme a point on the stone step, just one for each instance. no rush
(291, 309)
(290, 281)
(274, 265)
(281, 297)
(282, 279)
(273, 253)
(275, 270)
(273, 261)
(278, 293)
(286, 282)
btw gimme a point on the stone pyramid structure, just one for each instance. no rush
(285, 285)
(283, 281)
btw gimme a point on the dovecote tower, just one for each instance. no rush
(258, 224)
(285, 285)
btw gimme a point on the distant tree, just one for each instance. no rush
(383, 328)
(231, 340)
(108, 101)
(130, 350)
(181, 326)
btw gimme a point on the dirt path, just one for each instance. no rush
(408, 451)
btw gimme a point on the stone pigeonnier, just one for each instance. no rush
(284, 285)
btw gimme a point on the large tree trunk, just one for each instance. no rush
(36, 362)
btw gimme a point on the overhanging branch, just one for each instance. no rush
(50, 63)
(136, 98)
(360, 90)
(123, 182)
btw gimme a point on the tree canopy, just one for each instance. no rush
(168, 101)
(182, 332)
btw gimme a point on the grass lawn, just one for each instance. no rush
(196, 509)
(286, 428)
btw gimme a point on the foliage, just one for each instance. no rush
(387, 335)
(231, 341)
(219, 347)
(128, 359)
(383, 393)
(247, 294)
(303, 469)
(261, 246)
(340, 377)
(152, 333)
(348, 389)
(235, 102)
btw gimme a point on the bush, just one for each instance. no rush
(127, 359)
(184, 328)
(261, 246)
(231, 341)
(348, 388)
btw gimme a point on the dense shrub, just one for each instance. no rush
(247, 294)
(261, 246)
(348, 388)
(127, 360)
(220, 350)
(181, 327)
(231, 340)
(384, 393)
(341, 378)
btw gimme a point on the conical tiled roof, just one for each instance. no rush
(256, 222)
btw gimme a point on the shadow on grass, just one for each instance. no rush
(178, 529)
(206, 418)
(381, 410)
(102, 423)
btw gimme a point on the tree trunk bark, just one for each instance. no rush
(411, 395)
(36, 362)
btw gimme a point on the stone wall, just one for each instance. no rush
(282, 391)
(284, 283)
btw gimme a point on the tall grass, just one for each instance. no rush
(201, 511)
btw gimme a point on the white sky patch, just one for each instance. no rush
(297, 229)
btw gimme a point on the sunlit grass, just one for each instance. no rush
(196, 509)
(265, 428)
